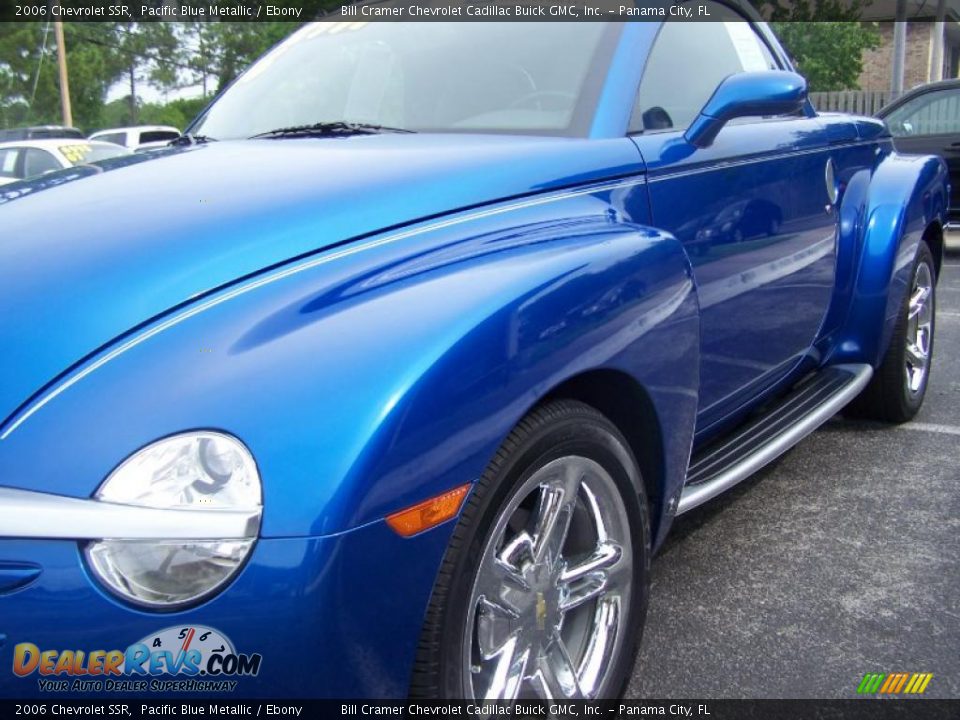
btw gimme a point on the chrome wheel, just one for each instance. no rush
(546, 615)
(919, 328)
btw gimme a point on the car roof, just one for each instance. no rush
(52, 143)
(25, 128)
(916, 92)
(42, 130)
(141, 128)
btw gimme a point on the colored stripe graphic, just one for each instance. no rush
(901, 681)
(889, 683)
(894, 683)
(871, 683)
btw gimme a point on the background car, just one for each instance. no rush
(926, 121)
(139, 137)
(40, 132)
(739, 221)
(30, 158)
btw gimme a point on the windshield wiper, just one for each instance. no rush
(329, 129)
(188, 139)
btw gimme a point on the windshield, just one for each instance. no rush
(446, 77)
(83, 153)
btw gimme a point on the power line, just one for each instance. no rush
(36, 78)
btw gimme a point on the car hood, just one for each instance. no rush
(88, 254)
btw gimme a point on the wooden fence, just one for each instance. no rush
(858, 102)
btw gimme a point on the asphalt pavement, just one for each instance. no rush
(841, 559)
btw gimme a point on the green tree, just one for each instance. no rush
(828, 54)
(812, 10)
(825, 38)
(177, 112)
(29, 84)
(150, 52)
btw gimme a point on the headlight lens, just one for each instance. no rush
(166, 573)
(203, 471)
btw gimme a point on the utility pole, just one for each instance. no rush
(131, 45)
(899, 49)
(64, 80)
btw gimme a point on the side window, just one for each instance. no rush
(8, 162)
(688, 61)
(148, 136)
(38, 162)
(934, 113)
(115, 138)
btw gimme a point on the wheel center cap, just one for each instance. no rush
(544, 601)
(541, 611)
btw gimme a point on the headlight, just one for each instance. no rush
(203, 471)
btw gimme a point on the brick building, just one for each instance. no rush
(919, 63)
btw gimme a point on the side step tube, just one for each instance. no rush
(711, 475)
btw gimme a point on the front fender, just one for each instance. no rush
(883, 218)
(375, 376)
(623, 301)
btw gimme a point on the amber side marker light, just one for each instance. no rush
(429, 513)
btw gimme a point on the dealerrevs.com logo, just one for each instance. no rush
(204, 659)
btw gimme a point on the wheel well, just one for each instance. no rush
(626, 404)
(933, 236)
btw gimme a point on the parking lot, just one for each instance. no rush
(842, 558)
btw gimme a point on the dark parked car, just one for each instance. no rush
(40, 132)
(926, 121)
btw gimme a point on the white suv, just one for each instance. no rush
(139, 137)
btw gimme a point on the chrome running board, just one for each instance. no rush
(723, 464)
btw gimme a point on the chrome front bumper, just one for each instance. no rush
(28, 514)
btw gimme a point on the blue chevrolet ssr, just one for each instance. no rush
(390, 377)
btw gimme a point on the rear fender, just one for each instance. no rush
(883, 217)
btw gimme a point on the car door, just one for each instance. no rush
(752, 211)
(929, 124)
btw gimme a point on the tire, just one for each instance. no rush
(896, 391)
(482, 612)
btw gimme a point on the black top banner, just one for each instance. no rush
(433, 10)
